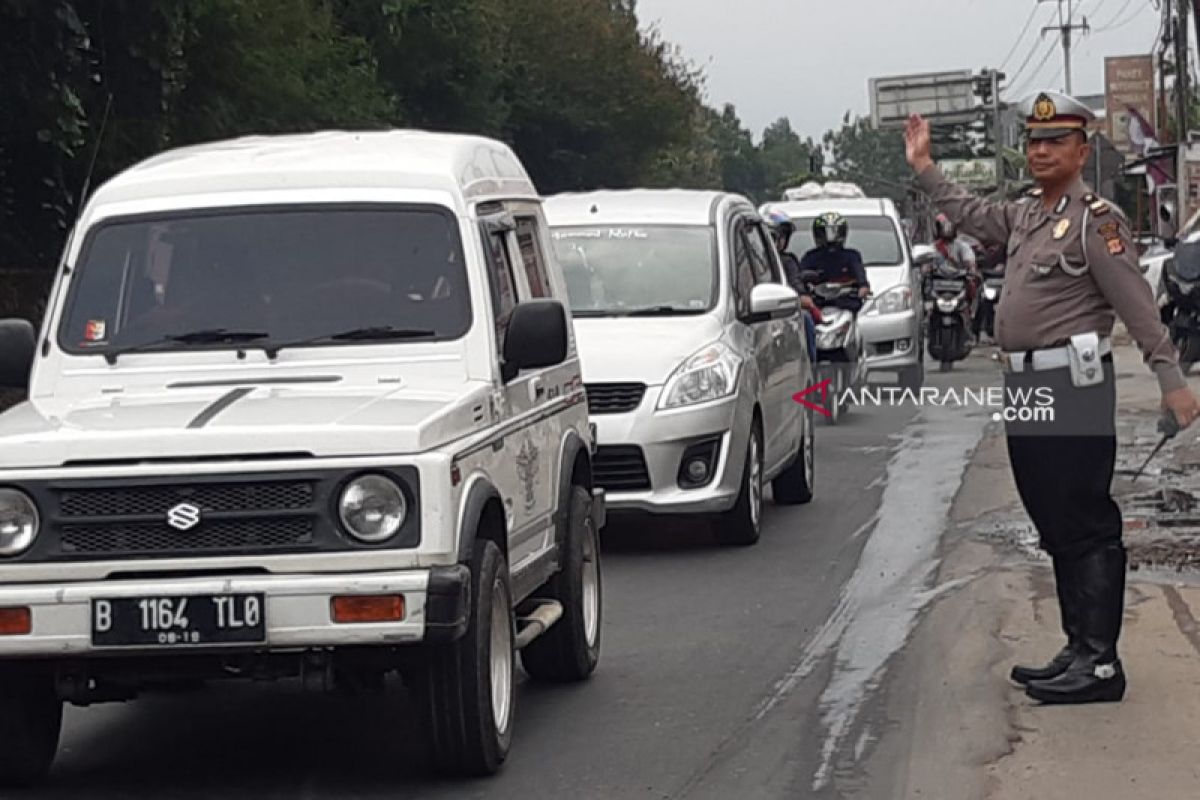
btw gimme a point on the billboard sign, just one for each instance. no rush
(1128, 84)
(941, 97)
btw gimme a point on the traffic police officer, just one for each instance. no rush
(1071, 265)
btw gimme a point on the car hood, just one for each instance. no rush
(264, 420)
(623, 349)
(884, 278)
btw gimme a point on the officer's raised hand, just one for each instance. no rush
(918, 143)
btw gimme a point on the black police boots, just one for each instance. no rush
(1095, 675)
(1068, 609)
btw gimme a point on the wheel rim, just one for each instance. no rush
(755, 482)
(591, 587)
(501, 658)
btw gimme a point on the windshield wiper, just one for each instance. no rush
(210, 336)
(661, 311)
(377, 333)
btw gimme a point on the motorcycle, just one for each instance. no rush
(1181, 278)
(946, 306)
(985, 319)
(841, 353)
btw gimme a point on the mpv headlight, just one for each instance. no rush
(19, 522)
(710, 374)
(372, 508)
(893, 301)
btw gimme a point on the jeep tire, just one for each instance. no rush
(794, 486)
(467, 689)
(570, 649)
(30, 723)
(742, 525)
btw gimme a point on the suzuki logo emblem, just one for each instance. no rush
(183, 517)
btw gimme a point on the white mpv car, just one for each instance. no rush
(692, 347)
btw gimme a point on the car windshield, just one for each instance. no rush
(661, 269)
(263, 277)
(875, 237)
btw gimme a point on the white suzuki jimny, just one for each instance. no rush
(303, 406)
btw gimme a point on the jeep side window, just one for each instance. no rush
(533, 257)
(743, 270)
(500, 277)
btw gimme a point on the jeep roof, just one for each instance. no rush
(475, 167)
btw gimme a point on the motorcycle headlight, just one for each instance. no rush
(19, 522)
(947, 306)
(372, 508)
(710, 374)
(830, 335)
(893, 301)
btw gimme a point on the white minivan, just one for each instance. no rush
(692, 348)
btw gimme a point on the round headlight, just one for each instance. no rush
(19, 522)
(372, 508)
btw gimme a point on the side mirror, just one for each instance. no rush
(537, 337)
(18, 343)
(772, 301)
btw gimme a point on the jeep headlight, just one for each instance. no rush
(710, 374)
(893, 301)
(372, 508)
(19, 522)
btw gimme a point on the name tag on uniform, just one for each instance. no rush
(1060, 230)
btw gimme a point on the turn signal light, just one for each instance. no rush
(15, 621)
(368, 608)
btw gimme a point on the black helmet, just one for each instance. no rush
(830, 229)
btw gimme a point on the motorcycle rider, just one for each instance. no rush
(782, 228)
(962, 256)
(835, 262)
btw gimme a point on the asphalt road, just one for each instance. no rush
(724, 673)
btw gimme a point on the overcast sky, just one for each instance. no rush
(810, 60)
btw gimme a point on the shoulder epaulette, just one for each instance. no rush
(1098, 205)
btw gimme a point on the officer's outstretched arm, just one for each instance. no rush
(1112, 260)
(985, 220)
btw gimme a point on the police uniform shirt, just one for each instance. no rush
(1069, 269)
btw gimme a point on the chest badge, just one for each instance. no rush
(1060, 230)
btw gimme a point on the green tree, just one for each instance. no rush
(787, 160)
(870, 157)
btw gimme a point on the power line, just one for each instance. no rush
(1066, 27)
(1020, 36)
(1037, 71)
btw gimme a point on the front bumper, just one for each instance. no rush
(298, 610)
(639, 455)
(891, 340)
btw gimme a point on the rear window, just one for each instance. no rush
(875, 237)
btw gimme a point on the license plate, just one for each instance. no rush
(179, 621)
(947, 286)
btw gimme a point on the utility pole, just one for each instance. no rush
(1066, 26)
(1182, 71)
(987, 88)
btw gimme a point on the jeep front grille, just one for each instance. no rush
(620, 468)
(154, 538)
(215, 498)
(614, 398)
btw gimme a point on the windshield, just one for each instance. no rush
(617, 270)
(876, 238)
(266, 276)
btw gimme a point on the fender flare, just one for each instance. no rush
(572, 445)
(478, 496)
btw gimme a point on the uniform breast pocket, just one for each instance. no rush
(1043, 265)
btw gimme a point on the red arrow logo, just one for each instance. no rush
(823, 388)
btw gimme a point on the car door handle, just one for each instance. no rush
(536, 389)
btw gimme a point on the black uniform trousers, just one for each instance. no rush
(1063, 468)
